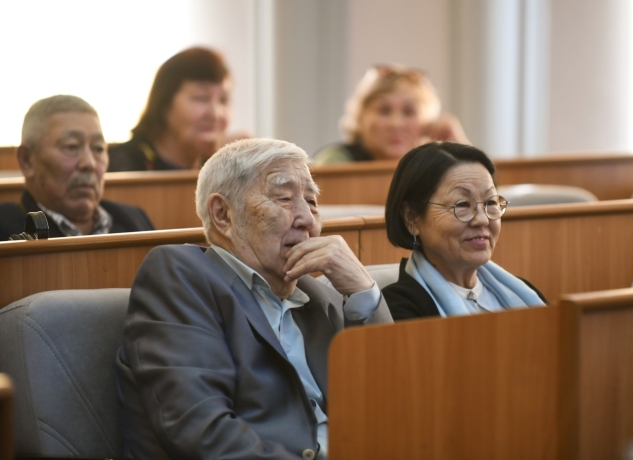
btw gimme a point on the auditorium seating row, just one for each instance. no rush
(167, 197)
(547, 383)
(559, 248)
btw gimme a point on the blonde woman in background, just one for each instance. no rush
(393, 110)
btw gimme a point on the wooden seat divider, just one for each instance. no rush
(547, 383)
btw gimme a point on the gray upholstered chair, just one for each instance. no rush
(538, 194)
(59, 348)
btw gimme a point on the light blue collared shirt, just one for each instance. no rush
(358, 306)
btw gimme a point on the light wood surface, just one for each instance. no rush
(558, 248)
(493, 386)
(103, 261)
(547, 383)
(168, 196)
(606, 372)
(8, 159)
(6, 418)
(569, 248)
(606, 175)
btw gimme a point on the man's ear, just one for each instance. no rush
(221, 213)
(25, 160)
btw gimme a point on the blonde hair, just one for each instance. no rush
(382, 79)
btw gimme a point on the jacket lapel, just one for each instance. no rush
(248, 303)
(317, 334)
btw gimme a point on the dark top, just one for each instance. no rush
(125, 218)
(358, 152)
(407, 298)
(138, 154)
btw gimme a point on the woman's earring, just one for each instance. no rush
(415, 241)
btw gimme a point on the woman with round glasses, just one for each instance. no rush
(443, 204)
(393, 110)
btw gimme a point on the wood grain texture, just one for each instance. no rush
(569, 248)
(83, 262)
(608, 176)
(168, 196)
(6, 418)
(560, 249)
(606, 372)
(102, 261)
(8, 159)
(479, 387)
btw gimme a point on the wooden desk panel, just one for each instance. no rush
(168, 197)
(8, 159)
(354, 183)
(606, 372)
(547, 383)
(569, 248)
(608, 176)
(492, 386)
(103, 261)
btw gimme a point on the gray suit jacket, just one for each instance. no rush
(201, 373)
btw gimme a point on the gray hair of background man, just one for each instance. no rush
(36, 119)
(234, 169)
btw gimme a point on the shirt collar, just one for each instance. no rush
(254, 280)
(102, 222)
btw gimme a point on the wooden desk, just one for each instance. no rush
(559, 248)
(168, 196)
(608, 176)
(547, 383)
(8, 159)
(102, 261)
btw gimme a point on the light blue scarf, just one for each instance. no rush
(510, 290)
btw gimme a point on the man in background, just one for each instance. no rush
(63, 157)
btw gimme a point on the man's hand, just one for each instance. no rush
(332, 256)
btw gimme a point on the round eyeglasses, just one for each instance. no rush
(466, 210)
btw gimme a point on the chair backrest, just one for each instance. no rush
(538, 194)
(6, 418)
(59, 348)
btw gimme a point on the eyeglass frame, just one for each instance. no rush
(485, 208)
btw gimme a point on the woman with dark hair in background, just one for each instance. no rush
(185, 120)
(444, 206)
(393, 110)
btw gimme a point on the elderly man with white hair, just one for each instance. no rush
(225, 348)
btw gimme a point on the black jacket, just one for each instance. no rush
(125, 218)
(407, 298)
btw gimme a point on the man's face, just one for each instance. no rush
(65, 173)
(280, 210)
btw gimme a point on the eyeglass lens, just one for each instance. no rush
(494, 207)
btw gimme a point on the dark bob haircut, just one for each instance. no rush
(416, 179)
(195, 64)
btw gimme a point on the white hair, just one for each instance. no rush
(233, 169)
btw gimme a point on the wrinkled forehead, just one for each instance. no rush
(293, 174)
(83, 124)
